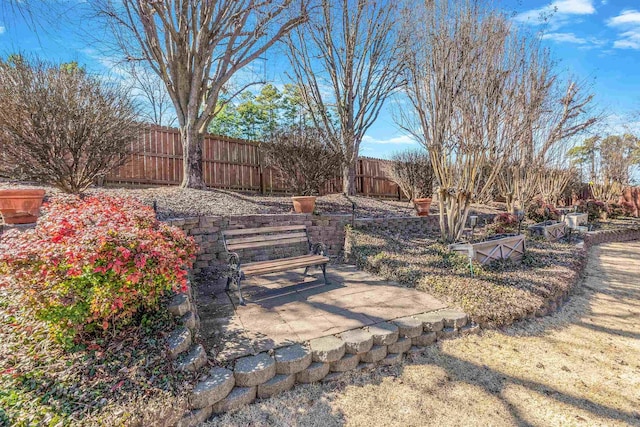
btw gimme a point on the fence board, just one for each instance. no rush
(227, 163)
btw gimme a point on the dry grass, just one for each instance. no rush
(578, 367)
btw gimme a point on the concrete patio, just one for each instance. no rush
(285, 308)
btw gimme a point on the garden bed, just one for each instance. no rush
(497, 294)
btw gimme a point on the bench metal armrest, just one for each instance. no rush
(319, 249)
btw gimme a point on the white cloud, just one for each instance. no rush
(564, 38)
(2, 29)
(628, 25)
(402, 139)
(557, 13)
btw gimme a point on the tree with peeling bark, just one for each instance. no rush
(467, 74)
(196, 47)
(348, 60)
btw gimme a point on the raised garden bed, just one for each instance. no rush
(493, 249)
(550, 230)
(573, 220)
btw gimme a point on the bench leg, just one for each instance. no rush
(324, 273)
(226, 288)
(240, 299)
(306, 271)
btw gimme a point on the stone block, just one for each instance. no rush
(276, 385)
(314, 373)
(431, 322)
(212, 389)
(357, 341)
(347, 363)
(193, 360)
(179, 341)
(391, 359)
(377, 353)
(190, 320)
(401, 346)
(471, 329)
(384, 333)
(327, 349)
(239, 397)
(425, 339)
(179, 305)
(292, 359)
(333, 376)
(253, 370)
(447, 333)
(453, 318)
(195, 418)
(409, 327)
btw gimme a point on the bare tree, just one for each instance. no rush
(465, 80)
(347, 60)
(196, 47)
(146, 85)
(411, 170)
(60, 126)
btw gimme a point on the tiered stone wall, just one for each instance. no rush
(607, 236)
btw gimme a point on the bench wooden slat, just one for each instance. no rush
(264, 238)
(284, 265)
(262, 230)
(259, 263)
(268, 243)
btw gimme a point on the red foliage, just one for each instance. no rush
(95, 261)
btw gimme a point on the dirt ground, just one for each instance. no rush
(578, 367)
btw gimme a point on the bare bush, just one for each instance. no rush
(303, 158)
(412, 171)
(61, 126)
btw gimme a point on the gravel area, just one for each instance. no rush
(175, 202)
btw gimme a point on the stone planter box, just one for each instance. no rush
(550, 230)
(501, 247)
(573, 220)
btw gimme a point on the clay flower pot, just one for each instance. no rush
(422, 206)
(304, 204)
(20, 206)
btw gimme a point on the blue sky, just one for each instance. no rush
(596, 40)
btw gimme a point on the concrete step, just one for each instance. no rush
(253, 370)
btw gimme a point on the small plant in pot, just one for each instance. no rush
(304, 160)
(411, 170)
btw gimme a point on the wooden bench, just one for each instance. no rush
(286, 237)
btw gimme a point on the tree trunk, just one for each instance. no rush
(349, 178)
(192, 158)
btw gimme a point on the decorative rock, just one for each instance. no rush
(179, 305)
(347, 363)
(292, 359)
(447, 333)
(470, 330)
(367, 366)
(194, 360)
(453, 318)
(254, 370)
(401, 346)
(357, 341)
(213, 389)
(276, 385)
(315, 372)
(326, 349)
(179, 341)
(238, 397)
(424, 339)
(384, 333)
(333, 376)
(377, 353)
(189, 320)
(409, 327)
(195, 418)
(414, 351)
(431, 322)
(392, 359)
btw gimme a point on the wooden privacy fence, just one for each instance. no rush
(228, 163)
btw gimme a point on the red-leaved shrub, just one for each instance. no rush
(94, 262)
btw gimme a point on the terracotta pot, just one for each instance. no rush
(422, 206)
(304, 204)
(20, 206)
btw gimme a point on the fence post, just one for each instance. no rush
(261, 171)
